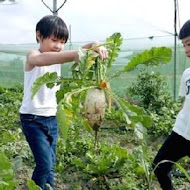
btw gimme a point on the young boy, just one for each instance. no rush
(177, 144)
(38, 114)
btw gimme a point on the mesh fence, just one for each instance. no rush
(12, 59)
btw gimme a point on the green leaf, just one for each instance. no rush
(86, 125)
(78, 163)
(153, 57)
(6, 171)
(132, 113)
(64, 118)
(83, 69)
(6, 174)
(49, 78)
(144, 119)
(177, 164)
(114, 42)
(32, 186)
(8, 186)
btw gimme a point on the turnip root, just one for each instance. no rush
(95, 104)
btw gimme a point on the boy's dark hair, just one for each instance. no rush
(185, 30)
(52, 24)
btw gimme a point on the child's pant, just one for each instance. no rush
(174, 148)
(41, 135)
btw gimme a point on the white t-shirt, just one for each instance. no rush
(44, 102)
(182, 123)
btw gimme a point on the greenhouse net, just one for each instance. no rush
(12, 59)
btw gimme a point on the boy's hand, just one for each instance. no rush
(102, 51)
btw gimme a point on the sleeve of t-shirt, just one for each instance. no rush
(182, 87)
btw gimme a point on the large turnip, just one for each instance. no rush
(95, 105)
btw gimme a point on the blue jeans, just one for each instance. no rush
(41, 135)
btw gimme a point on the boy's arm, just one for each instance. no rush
(35, 58)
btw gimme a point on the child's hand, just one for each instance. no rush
(96, 46)
(103, 53)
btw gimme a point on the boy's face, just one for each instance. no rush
(186, 44)
(51, 44)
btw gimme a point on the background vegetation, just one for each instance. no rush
(125, 154)
(12, 58)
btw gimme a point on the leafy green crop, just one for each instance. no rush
(6, 174)
(91, 72)
(110, 160)
(32, 186)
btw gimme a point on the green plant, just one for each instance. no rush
(150, 90)
(10, 101)
(76, 146)
(91, 73)
(110, 160)
(103, 166)
(32, 186)
(7, 181)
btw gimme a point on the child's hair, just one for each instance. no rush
(185, 30)
(51, 24)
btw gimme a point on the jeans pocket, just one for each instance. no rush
(26, 120)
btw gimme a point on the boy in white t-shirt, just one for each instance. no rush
(177, 144)
(38, 114)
